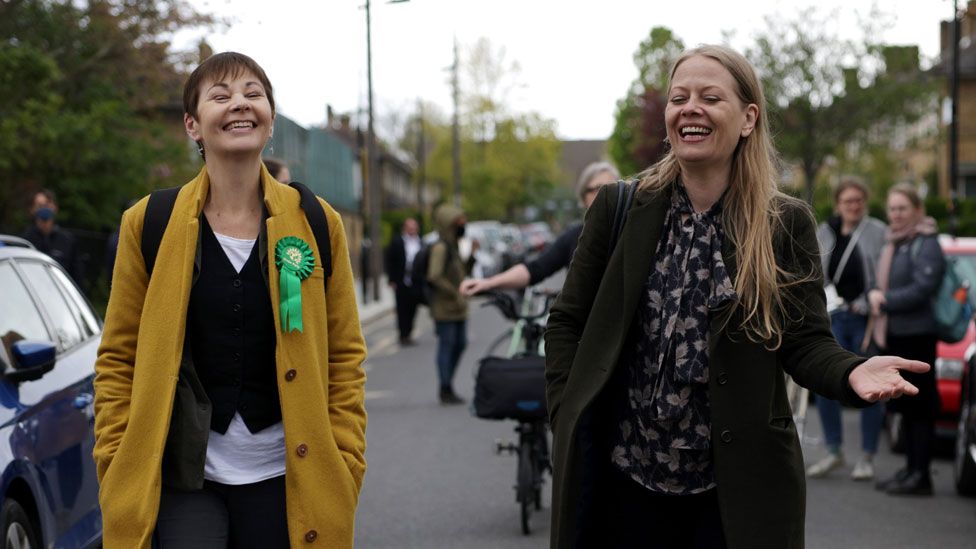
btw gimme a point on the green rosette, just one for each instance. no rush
(294, 260)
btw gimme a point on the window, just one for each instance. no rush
(66, 327)
(19, 317)
(79, 305)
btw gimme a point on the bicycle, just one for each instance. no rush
(512, 386)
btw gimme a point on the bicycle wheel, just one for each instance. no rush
(525, 490)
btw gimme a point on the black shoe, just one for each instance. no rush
(917, 483)
(899, 476)
(449, 397)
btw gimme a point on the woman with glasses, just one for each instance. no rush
(850, 243)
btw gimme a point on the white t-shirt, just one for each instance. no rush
(411, 246)
(240, 456)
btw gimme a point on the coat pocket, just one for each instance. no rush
(185, 453)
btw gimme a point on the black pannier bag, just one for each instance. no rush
(511, 388)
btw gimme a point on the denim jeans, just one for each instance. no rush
(452, 338)
(849, 330)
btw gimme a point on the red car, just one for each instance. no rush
(951, 358)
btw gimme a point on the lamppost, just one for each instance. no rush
(374, 192)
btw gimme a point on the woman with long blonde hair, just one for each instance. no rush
(666, 355)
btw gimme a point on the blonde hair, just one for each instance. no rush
(752, 208)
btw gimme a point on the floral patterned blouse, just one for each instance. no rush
(664, 422)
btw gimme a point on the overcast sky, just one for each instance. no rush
(575, 55)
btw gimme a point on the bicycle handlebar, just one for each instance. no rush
(506, 304)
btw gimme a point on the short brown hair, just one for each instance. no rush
(851, 182)
(218, 67)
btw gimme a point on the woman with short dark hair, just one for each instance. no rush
(229, 393)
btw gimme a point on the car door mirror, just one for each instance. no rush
(31, 360)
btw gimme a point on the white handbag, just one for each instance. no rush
(834, 300)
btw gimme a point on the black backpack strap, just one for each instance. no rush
(158, 212)
(320, 225)
(625, 196)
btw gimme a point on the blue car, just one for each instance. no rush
(49, 338)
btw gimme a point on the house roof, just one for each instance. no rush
(577, 154)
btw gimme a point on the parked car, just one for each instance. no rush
(514, 245)
(951, 358)
(964, 458)
(537, 235)
(49, 337)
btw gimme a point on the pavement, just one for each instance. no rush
(377, 306)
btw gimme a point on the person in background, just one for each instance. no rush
(665, 360)
(48, 237)
(910, 271)
(278, 170)
(557, 256)
(448, 306)
(229, 388)
(112, 247)
(850, 243)
(399, 256)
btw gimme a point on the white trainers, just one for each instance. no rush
(863, 470)
(825, 465)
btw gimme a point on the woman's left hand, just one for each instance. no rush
(879, 378)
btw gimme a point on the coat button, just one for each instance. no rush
(237, 307)
(726, 436)
(723, 378)
(302, 450)
(311, 536)
(237, 283)
(290, 375)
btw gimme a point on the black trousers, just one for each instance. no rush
(920, 411)
(223, 516)
(406, 309)
(634, 517)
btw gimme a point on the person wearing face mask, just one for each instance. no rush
(448, 306)
(850, 243)
(229, 388)
(48, 237)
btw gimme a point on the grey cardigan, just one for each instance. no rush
(869, 245)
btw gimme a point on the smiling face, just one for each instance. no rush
(851, 205)
(233, 116)
(705, 118)
(901, 212)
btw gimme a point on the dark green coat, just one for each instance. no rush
(756, 453)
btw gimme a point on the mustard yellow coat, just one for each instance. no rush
(138, 363)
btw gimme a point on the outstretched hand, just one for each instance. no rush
(879, 378)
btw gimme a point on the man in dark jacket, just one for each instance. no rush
(50, 238)
(399, 263)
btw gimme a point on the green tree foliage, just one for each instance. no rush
(826, 93)
(509, 160)
(90, 90)
(638, 134)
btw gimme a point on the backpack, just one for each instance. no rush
(422, 289)
(950, 305)
(160, 208)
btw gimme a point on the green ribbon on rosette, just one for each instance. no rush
(294, 260)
